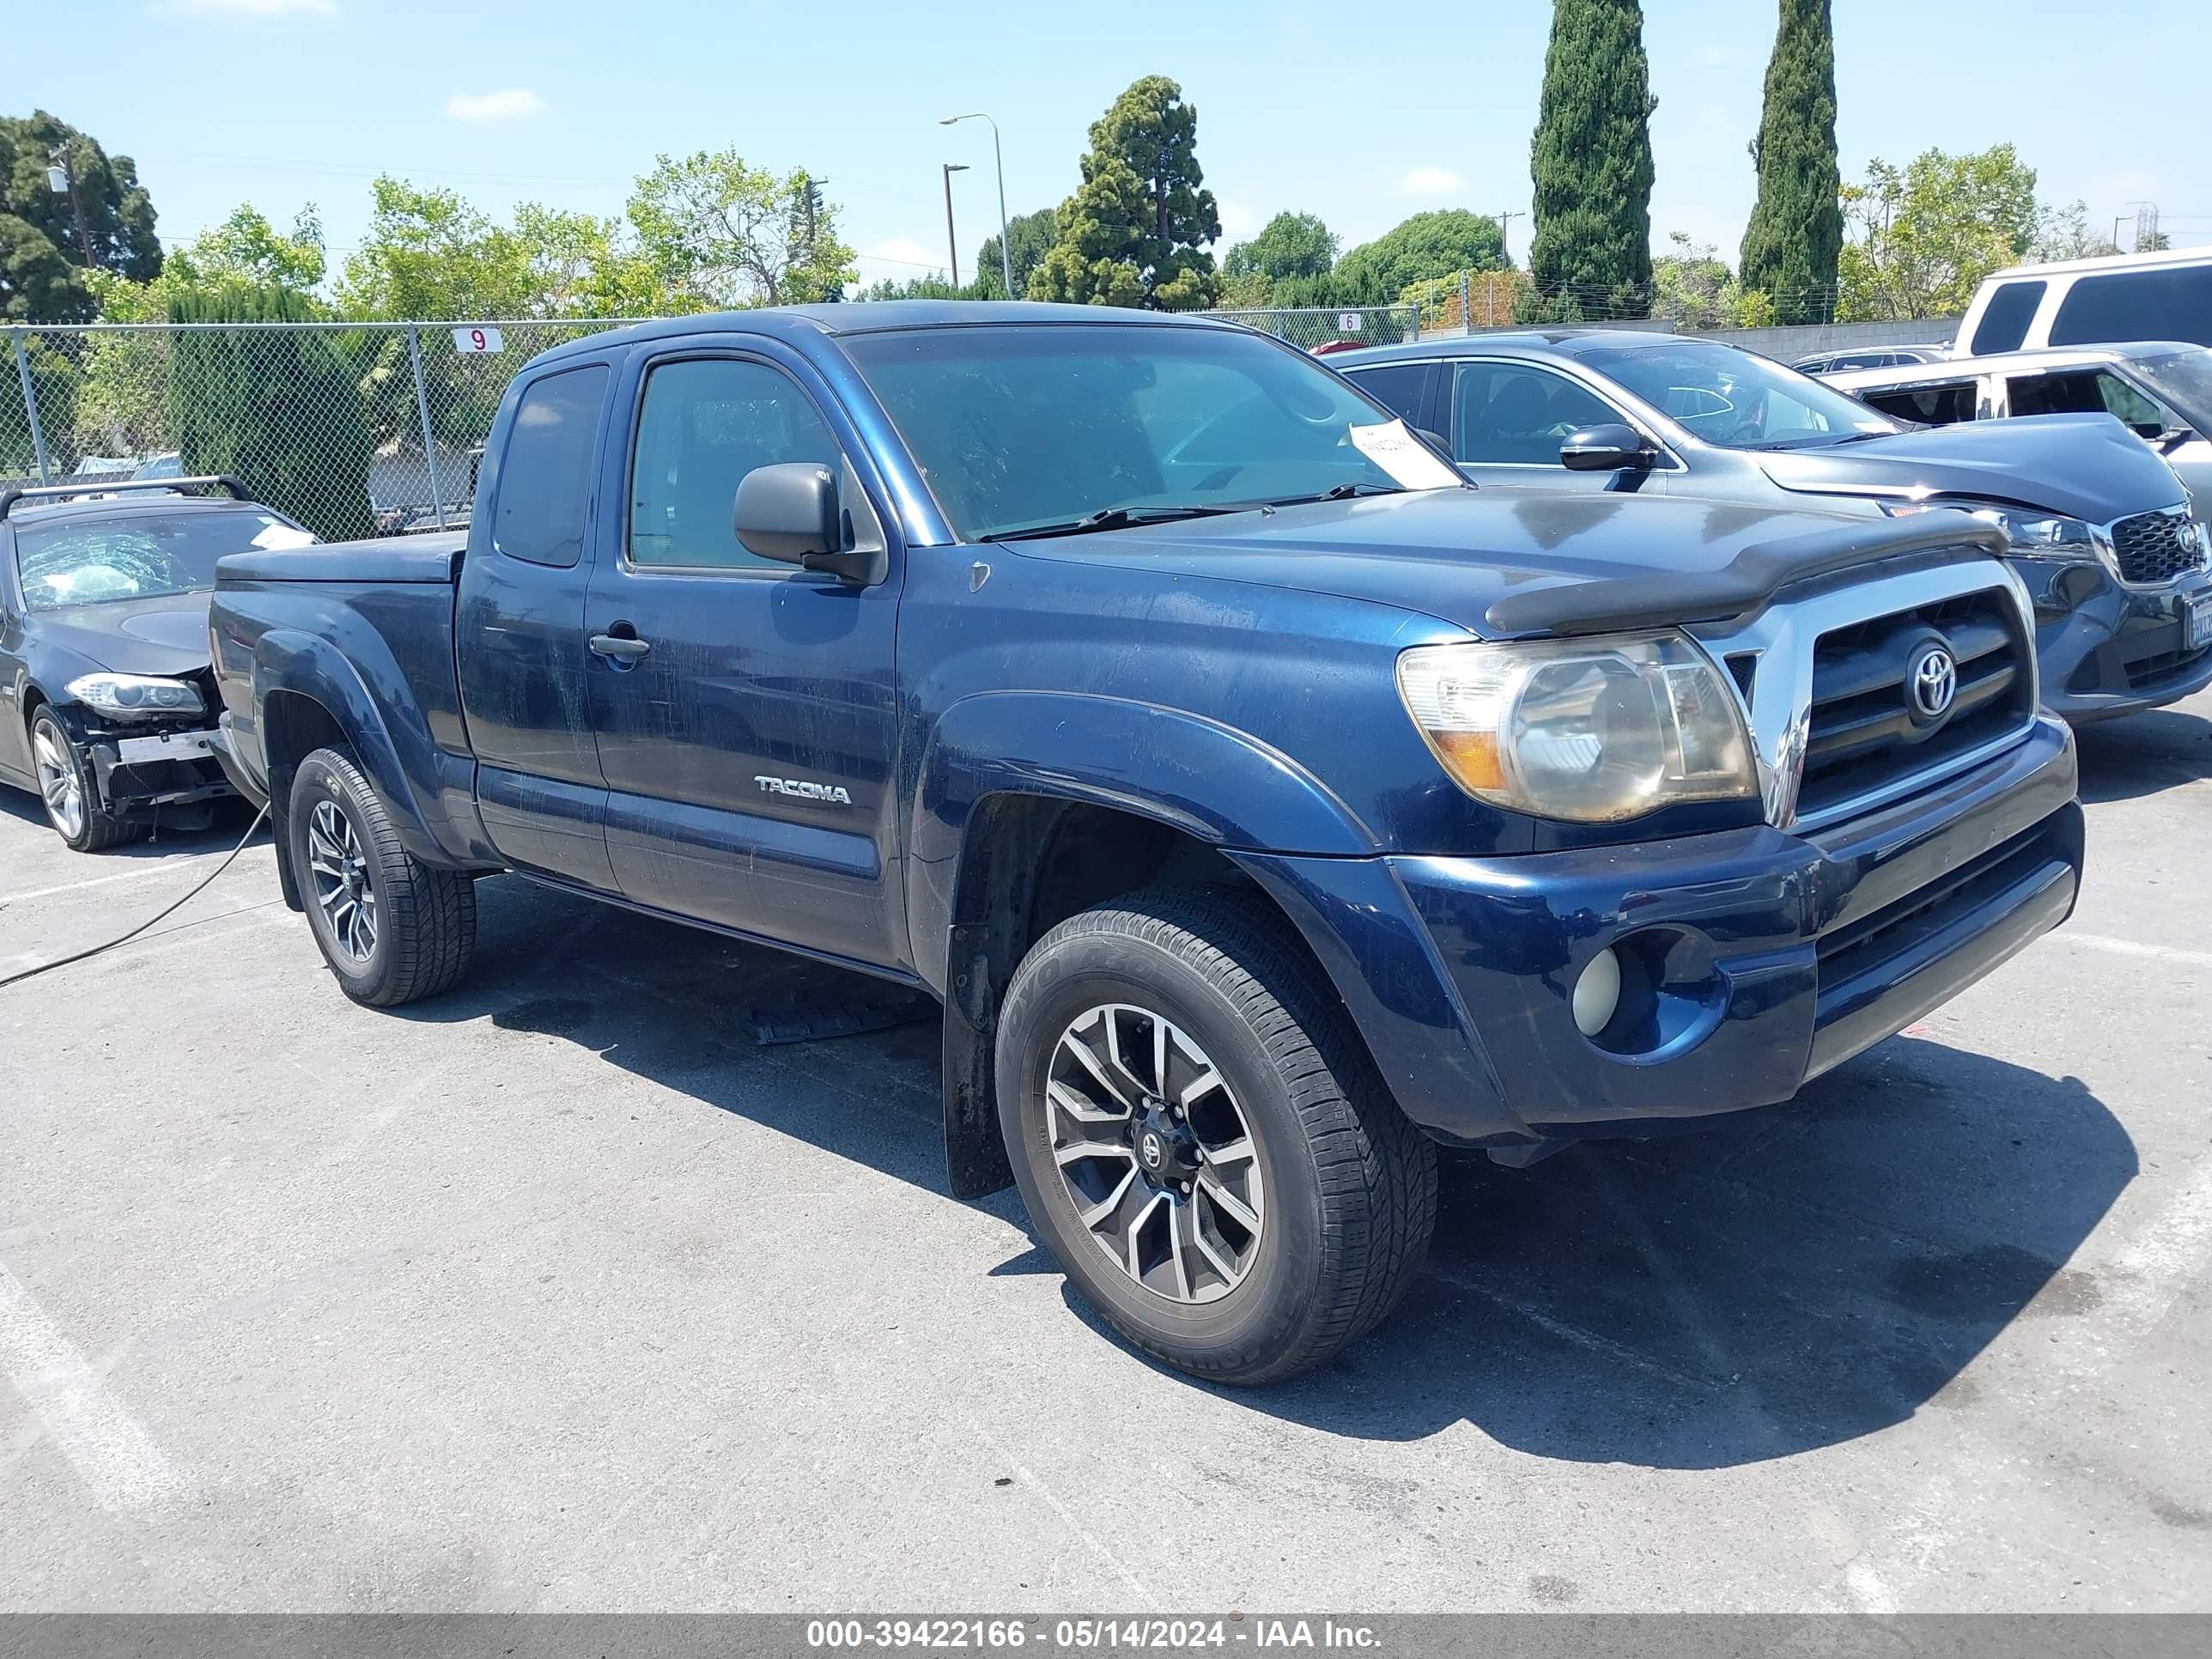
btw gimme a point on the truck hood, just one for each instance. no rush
(433, 557)
(2085, 466)
(166, 635)
(1522, 563)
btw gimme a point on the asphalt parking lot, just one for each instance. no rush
(561, 1292)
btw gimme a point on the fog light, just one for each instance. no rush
(1597, 993)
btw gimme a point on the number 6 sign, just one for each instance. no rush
(478, 338)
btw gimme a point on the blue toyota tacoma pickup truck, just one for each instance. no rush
(1265, 806)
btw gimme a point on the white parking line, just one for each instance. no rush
(103, 1444)
(2129, 947)
(160, 867)
(2166, 1257)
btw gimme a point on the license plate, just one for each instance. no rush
(2196, 622)
(174, 746)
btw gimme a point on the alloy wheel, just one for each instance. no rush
(60, 782)
(339, 872)
(1155, 1153)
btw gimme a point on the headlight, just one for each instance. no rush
(1594, 731)
(2028, 531)
(137, 696)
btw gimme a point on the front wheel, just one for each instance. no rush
(1202, 1140)
(392, 928)
(70, 792)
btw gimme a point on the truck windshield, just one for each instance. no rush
(1023, 427)
(141, 557)
(1734, 399)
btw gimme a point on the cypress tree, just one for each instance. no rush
(1795, 235)
(1591, 163)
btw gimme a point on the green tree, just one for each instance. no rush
(104, 219)
(430, 255)
(1591, 163)
(1795, 237)
(37, 285)
(1421, 249)
(280, 409)
(1289, 244)
(717, 233)
(1029, 237)
(1694, 289)
(2065, 234)
(1134, 233)
(1929, 232)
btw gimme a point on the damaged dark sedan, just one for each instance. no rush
(106, 704)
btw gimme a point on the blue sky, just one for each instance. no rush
(1360, 113)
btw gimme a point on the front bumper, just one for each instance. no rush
(2106, 650)
(139, 773)
(1754, 960)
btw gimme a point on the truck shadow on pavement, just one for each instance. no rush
(1798, 1277)
(1787, 1280)
(2127, 759)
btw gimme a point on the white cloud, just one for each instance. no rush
(508, 104)
(251, 8)
(1432, 181)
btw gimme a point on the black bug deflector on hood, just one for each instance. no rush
(1743, 585)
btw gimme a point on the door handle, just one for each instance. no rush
(618, 648)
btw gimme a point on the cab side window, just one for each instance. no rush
(545, 474)
(2086, 392)
(704, 424)
(1513, 414)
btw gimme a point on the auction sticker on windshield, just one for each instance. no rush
(1403, 456)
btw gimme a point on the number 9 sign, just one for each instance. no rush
(477, 339)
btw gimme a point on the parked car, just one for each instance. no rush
(106, 704)
(2165, 295)
(1264, 805)
(2099, 527)
(2161, 390)
(1827, 363)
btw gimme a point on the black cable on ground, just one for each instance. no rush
(125, 939)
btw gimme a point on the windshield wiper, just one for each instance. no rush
(1117, 518)
(1343, 492)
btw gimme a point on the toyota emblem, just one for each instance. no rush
(1151, 1149)
(1933, 684)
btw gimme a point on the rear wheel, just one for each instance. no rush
(392, 928)
(71, 791)
(1202, 1141)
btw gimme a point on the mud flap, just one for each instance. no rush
(974, 1149)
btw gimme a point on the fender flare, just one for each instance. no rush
(1213, 782)
(292, 661)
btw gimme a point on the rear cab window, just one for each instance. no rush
(1946, 404)
(545, 474)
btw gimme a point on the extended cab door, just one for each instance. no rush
(745, 710)
(519, 633)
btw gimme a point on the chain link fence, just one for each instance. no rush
(353, 428)
(1329, 324)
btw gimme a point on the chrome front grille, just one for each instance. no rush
(1827, 680)
(2152, 549)
(1869, 727)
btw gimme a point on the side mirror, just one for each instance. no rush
(789, 511)
(1434, 438)
(1606, 448)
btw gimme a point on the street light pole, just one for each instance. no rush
(952, 239)
(998, 160)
